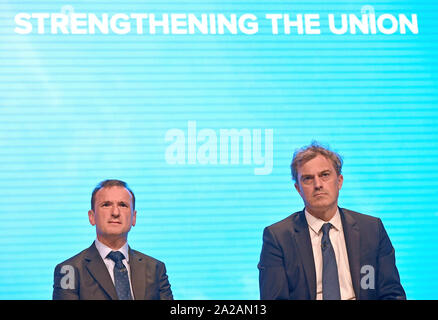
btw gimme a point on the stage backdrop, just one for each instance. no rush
(199, 106)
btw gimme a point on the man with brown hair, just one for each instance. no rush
(109, 268)
(324, 251)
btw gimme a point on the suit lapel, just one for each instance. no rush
(304, 245)
(138, 275)
(352, 242)
(99, 272)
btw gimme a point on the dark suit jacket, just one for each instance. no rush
(91, 280)
(287, 267)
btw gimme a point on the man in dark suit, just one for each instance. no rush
(323, 251)
(109, 268)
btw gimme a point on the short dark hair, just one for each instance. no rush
(309, 152)
(108, 184)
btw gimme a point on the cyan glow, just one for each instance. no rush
(78, 109)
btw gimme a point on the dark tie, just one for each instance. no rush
(330, 280)
(121, 278)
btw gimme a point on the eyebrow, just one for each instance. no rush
(111, 202)
(308, 175)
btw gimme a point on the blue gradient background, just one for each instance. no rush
(77, 109)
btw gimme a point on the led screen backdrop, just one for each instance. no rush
(199, 106)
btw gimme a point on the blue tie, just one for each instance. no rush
(121, 278)
(330, 280)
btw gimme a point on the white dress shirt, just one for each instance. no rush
(109, 263)
(337, 239)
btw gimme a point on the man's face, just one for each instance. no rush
(113, 214)
(318, 184)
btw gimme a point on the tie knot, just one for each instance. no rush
(326, 228)
(116, 256)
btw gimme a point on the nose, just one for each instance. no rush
(317, 182)
(116, 211)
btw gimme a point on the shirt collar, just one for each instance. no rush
(315, 224)
(104, 250)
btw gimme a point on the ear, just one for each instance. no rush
(91, 217)
(297, 187)
(340, 181)
(134, 218)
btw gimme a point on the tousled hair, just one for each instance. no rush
(108, 184)
(307, 153)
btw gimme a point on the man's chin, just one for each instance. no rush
(320, 206)
(113, 233)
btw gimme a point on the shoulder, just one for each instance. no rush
(287, 222)
(365, 222)
(360, 217)
(77, 259)
(283, 228)
(145, 258)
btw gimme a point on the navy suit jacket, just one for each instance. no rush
(90, 279)
(287, 267)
